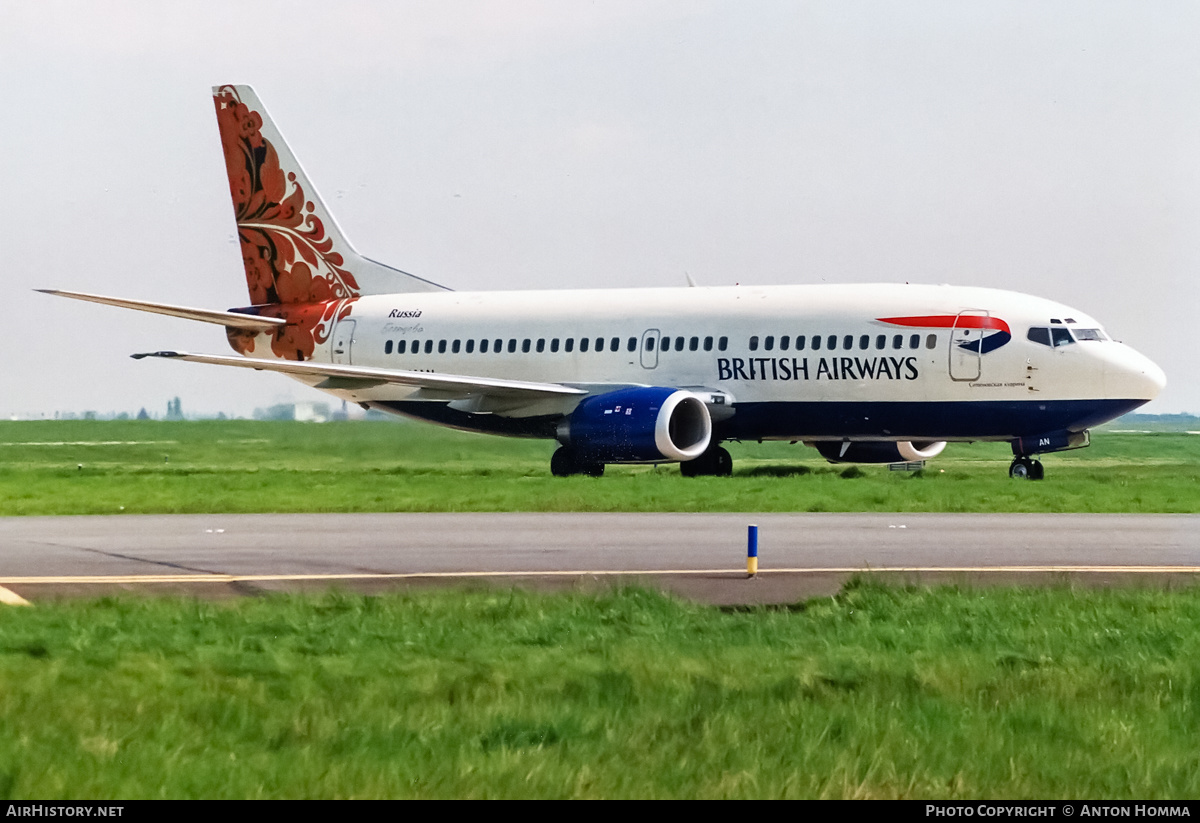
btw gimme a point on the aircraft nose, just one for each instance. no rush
(1133, 375)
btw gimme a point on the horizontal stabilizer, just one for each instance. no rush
(229, 319)
(352, 376)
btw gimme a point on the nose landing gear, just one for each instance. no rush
(1026, 468)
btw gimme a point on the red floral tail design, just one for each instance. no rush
(299, 266)
(289, 257)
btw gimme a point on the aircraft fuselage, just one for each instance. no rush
(878, 361)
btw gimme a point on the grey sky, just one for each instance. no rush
(1044, 147)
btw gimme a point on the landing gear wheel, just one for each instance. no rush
(715, 462)
(565, 462)
(1026, 468)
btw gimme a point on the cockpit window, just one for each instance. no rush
(1039, 335)
(1089, 334)
(1058, 336)
(1061, 337)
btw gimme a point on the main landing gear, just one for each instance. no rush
(566, 462)
(1026, 468)
(715, 462)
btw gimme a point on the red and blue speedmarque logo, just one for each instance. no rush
(989, 342)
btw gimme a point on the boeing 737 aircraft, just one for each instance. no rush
(864, 373)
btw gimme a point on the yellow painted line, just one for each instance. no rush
(12, 598)
(265, 578)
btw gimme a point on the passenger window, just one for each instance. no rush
(678, 344)
(708, 343)
(881, 341)
(512, 345)
(483, 346)
(583, 343)
(599, 344)
(614, 344)
(931, 341)
(525, 346)
(914, 341)
(649, 344)
(897, 341)
(784, 342)
(816, 342)
(694, 344)
(401, 345)
(800, 342)
(848, 342)
(387, 347)
(569, 345)
(429, 347)
(554, 344)
(441, 347)
(455, 346)
(769, 342)
(498, 345)
(632, 345)
(723, 344)
(754, 343)
(864, 341)
(470, 345)
(831, 342)
(541, 345)
(1061, 337)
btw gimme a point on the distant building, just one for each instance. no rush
(306, 411)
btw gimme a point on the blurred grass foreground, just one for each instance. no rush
(875, 693)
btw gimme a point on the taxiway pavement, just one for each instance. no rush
(696, 555)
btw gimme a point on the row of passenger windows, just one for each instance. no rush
(1057, 336)
(554, 344)
(830, 342)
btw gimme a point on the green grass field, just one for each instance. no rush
(877, 693)
(88, 467)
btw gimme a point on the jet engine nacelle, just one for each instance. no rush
(880, 451)
(638, 425)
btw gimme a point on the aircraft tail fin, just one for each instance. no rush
(292, 248)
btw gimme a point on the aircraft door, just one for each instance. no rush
(343, 342)
(966, 345)
(650, 339)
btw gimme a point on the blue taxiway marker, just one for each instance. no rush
(752, 551)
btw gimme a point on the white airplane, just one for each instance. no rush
(864, 373)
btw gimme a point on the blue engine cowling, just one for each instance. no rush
(879, 451)
(638, 425)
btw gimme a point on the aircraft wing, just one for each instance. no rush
(229, 319)
(358, 377)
